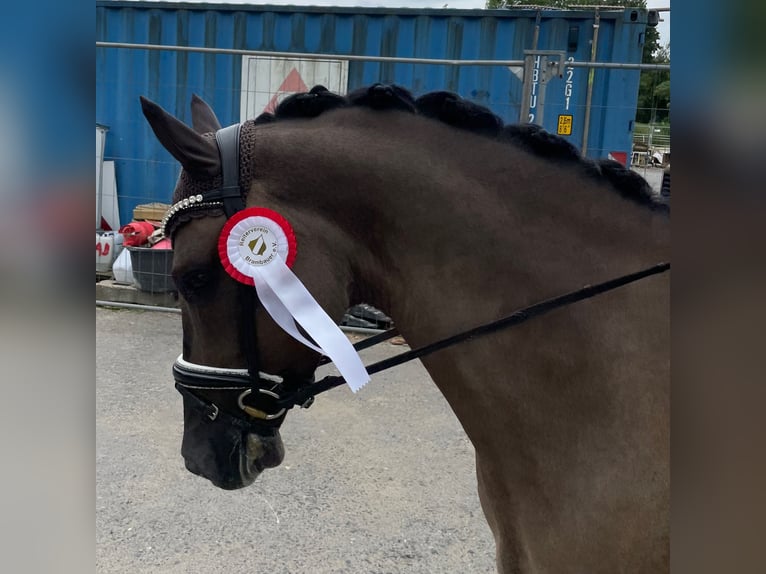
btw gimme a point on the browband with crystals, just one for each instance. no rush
(195, 201)
(227, 197)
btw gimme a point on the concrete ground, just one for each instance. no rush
(378, 482)
(653, 175)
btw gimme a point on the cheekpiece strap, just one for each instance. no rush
(228, 148)
(231, 196)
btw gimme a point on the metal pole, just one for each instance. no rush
(540, 110)
(526, 88)
(118, 305)
(100, 182)
(361, 330)
(618, 66)
(591, 77)
(527, 96)
(137, 307)
(536, 36)
(305, 56)
(356, 58)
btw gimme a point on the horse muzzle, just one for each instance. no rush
(231, 428)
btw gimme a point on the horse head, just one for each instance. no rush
(237, 363)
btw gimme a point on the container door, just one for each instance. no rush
(267, 81)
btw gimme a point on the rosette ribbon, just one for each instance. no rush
(257, 247)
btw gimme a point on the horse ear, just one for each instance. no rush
(198, 155)
(203, 116)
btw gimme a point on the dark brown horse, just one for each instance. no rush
(436, 213)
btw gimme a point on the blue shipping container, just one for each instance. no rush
(146, 172)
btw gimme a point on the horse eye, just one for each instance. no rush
(195, 284)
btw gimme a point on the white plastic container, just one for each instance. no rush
(108, 248)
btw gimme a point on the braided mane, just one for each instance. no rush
(462, 114)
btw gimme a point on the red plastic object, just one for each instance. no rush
(163, 244)
(136, 233)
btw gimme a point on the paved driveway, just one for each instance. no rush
(378, 482)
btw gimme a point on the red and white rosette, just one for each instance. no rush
(257, 247)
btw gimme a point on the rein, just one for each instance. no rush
(307, 394)
(257, 402)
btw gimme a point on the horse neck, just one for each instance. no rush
(447, 229)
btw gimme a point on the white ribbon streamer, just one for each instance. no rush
(280, 313)
(280, 290)
(255, 246)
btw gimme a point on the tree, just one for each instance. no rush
(654, 85)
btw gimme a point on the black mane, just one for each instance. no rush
(462, 114)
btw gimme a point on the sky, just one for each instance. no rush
(663, 27)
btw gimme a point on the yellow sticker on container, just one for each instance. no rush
(564, 126)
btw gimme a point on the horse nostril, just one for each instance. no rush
(267, 451)
(255, 448)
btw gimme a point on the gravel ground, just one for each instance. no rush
(378, 482)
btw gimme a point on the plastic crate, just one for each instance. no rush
(151, 269)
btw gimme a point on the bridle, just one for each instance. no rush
(247, 398)
(257, 402)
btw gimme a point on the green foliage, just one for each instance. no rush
(662, 91)
(654, 85)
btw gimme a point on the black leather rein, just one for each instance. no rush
(257, 401)
(516, 318)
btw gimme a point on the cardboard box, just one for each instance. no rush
(150, 211)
